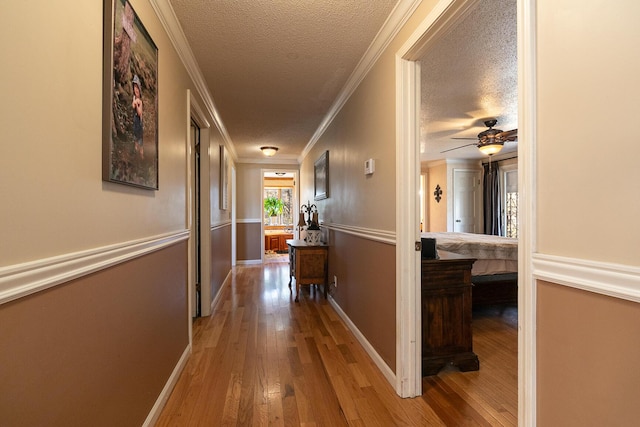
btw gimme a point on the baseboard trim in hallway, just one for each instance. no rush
(373, 354)
(153, 416)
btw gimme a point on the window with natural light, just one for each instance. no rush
(511, 203)
(286, 195)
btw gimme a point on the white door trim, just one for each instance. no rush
(408, 292)
(408, 370)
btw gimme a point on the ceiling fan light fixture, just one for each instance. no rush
(490, 148)
(269, 151)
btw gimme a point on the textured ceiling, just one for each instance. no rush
(468, 76)
(275, 67)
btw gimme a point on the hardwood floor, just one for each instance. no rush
(261, 359)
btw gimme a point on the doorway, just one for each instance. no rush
(195, 294)
(441, 20)
(280, 207)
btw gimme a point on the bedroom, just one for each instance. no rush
(460, 94)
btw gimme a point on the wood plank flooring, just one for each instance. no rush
(261, 359)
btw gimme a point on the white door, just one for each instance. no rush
(466, 196)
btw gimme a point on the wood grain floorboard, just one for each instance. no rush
(262, 359)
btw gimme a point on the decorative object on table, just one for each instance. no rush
(129, 99)
(314, 234)
(312, 223)
(321, 177)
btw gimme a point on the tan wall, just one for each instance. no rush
(588, 352)
(437, 210)
(97, 350)
(248, 243)
(366, 285)
(220, 258)
(365, 128)
(587, 199)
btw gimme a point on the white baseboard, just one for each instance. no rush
(153, 416)
(380, 363)
(225, 283)
(249, 262)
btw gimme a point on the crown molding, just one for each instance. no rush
(396, 20)
(170, 22)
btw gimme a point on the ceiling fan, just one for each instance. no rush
(490, 141)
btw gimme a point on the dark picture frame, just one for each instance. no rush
(129, 115)
(321, 177)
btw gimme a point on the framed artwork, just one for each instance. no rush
(129, 99)
(321, 177)
(224, 173)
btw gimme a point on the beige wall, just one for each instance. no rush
(587, 149)
(249, 207)
(437, 214)
(364, 128)
(588, 184)
(109, 335)
(52, 170)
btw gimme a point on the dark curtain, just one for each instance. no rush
(491, 201)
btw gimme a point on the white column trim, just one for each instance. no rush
(527, 246)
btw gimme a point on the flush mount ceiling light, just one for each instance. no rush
(269, 151)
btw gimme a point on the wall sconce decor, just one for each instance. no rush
(438, 193)
(311, 222)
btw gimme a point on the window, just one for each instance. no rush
(510, 219)
(286, 195)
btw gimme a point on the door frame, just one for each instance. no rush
(408, 325)
(196, 114)
(295, 203)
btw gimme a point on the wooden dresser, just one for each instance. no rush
(446, 314)
(308, 264)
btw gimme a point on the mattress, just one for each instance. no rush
(494, 254)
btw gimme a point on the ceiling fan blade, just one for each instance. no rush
(451, 149)
(508, 135)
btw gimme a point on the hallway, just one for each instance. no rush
(262, 359)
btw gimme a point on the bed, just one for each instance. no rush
(495, 272)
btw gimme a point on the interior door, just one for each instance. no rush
(195, 293)
(466, 197)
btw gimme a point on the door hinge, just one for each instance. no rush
(418, 246)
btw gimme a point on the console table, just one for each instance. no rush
(446, 314)
(308, 264)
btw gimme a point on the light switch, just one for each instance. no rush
(369, 166)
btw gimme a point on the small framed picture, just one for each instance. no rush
(321, 177)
